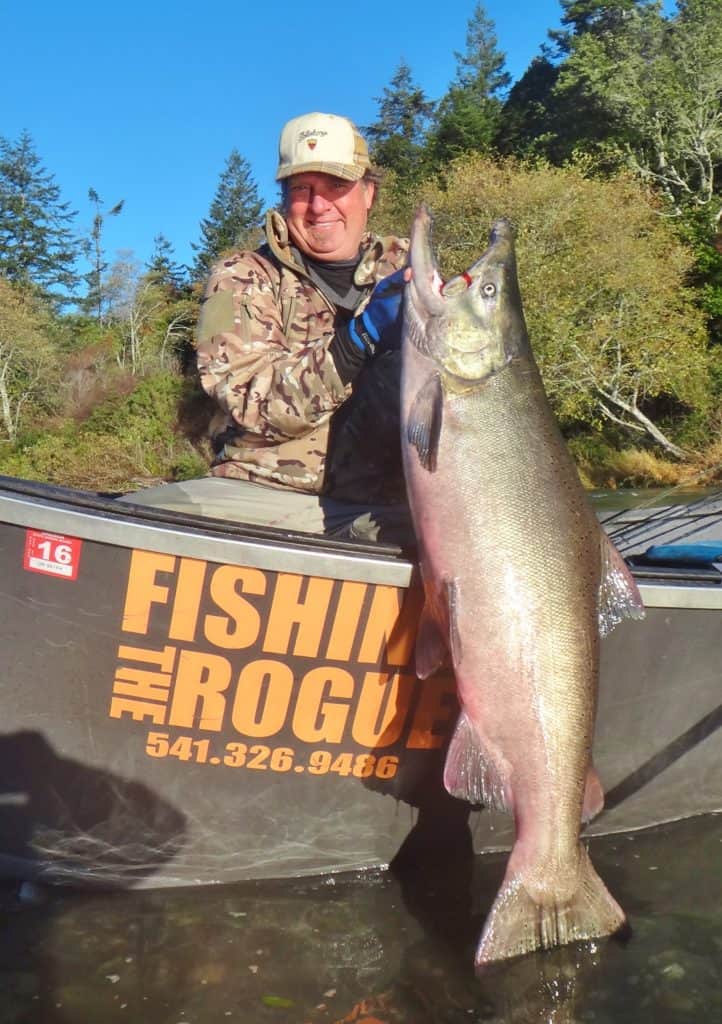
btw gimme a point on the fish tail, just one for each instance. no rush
(518, 923)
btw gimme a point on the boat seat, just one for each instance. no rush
(700, 553)
(699, 562)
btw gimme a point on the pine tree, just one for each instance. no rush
(163, 267)
(481, 66)
(96, 301)
(397, 137)
(234, 215)
(581, 17)
(38, 247)
(528, 125)
(469, 114)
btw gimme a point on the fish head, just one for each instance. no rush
(472, 326)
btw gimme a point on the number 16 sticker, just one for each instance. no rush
(52, 554)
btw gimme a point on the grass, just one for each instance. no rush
(604, 467)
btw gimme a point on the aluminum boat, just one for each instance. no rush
(188, 701)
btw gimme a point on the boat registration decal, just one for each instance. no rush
(268, 671)
(52, 554)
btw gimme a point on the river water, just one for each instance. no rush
(380, 948)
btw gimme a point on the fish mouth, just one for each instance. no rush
(460, 322)
(427, 285)
(433, 293)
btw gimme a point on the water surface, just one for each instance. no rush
(381, 948)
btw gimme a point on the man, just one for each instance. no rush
(298, 344)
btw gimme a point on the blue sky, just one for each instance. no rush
(144, 101)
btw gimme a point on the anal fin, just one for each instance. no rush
(470, 773)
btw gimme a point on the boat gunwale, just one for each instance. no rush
(109, 520)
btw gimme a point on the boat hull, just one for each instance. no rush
(187, 702)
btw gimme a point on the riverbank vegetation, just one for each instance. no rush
(606, 155)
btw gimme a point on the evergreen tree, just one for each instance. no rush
(180, 310)
(599, 41)
(234, 215)
(37, 244)
(589, 17)
(528, 125)
(397, 137)
(468, 116)
(96, 301)
(163, 267)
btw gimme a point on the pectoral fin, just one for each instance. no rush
(619, 597)
(424, 426)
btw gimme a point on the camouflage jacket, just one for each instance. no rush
(263, 340)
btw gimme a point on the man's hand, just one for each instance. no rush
(378, 327)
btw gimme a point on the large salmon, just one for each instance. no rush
(518, 576)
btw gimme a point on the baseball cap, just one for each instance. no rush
(322, 142)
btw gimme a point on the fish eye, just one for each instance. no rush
(488, 290)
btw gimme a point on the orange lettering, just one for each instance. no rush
(143, 591)
(382, 708)
(316, 719)
(201, 681)
(289, 610)
(346, 620)
(241, 626)
(390, 630)
(188, 593)
(137, 709)
(262, 698)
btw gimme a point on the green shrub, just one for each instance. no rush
(125, 442)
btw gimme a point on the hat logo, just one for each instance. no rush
(311, 143)
(311, 132)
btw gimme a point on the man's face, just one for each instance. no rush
(327, 216)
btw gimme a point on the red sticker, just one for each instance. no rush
(52, 554)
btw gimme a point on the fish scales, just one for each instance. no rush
(513, 559)
(522, 575)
